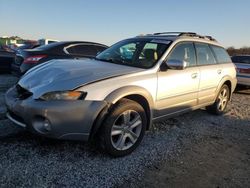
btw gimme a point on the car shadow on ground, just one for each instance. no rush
(245, 90)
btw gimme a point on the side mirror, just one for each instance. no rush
(176, 64)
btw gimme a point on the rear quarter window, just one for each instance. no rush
(220, 54)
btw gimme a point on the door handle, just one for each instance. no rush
(194, 75)
(219, 71)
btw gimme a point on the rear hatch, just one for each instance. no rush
(243, 65)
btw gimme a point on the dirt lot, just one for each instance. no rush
(193, 150)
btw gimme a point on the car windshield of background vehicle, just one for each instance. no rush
(137, 53)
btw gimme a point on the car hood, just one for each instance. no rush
(61, 75)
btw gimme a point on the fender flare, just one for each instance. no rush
(222, 81)
(115, 96)
(122, 92)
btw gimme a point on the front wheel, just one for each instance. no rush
(123, 129)
(221, 101)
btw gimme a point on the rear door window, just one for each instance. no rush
(82, 50)
(204, 54)
(221, 54)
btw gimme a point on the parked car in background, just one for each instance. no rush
(46, 41)
(118, 95)
(27, 59)
(29, 45)
(242, 63)
(7, 56)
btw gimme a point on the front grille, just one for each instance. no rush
(22, 93)
(18, 60)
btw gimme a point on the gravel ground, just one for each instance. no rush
(28, 160)
(217, 156)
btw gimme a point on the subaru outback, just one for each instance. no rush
(116, 97)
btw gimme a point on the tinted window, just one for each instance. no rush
(184, 52)
(51, 41)
(221, 54)
(82, 50)
(241, 59)
(204, 54)
(100, 48)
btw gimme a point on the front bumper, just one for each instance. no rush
(70, 120)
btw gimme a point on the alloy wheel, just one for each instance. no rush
(222, 99)
(126, 130)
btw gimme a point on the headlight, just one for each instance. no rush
(64, 95)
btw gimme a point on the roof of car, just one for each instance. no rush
(77, 42)
(62, 44)
(172, 36)
(241, 55)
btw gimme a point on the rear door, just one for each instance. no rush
(178, 89)
(211, 73)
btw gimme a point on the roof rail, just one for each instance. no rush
(175, 33)
(179, 34)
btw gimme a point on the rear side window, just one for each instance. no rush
(221, 54)
(184, 52)
(204, 54)
(82, 50)
(100, 48)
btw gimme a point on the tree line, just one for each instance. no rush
(240, 51)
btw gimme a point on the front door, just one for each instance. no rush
(178, 89)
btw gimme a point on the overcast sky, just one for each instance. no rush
(109, 21)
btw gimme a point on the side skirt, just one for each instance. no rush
(173, 114)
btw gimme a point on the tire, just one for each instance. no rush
(123, 129)
(220, 104)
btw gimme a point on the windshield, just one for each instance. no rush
(135, 52)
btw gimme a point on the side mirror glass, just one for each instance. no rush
(176, 64)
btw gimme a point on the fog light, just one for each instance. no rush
(47, 125)
(42, 125)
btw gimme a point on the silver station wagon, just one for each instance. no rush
(116, 97)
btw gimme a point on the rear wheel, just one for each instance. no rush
(124, 128)
(221, 101)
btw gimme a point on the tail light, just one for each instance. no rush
(245, 71)
(33, 59)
